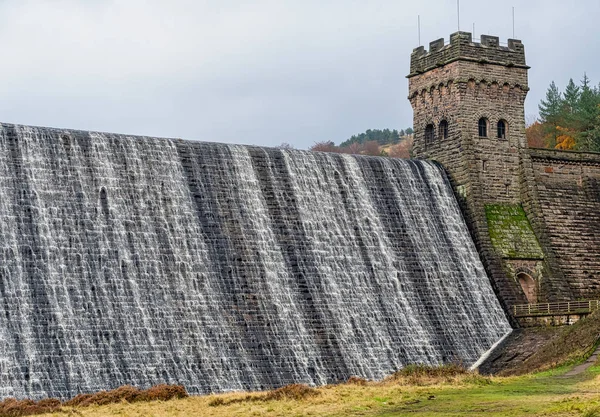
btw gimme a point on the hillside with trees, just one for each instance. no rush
(375, 142)
(569, 120)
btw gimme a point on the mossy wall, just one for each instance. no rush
(511, 233)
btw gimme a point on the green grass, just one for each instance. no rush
(511, 397)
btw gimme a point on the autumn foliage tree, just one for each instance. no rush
(402, 149)
(536, 135)
(569, 120)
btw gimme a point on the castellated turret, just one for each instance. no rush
(468, 102)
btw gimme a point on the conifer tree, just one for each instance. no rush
(570, 120)
(551, 107)
(571, 97)
(588, 116)
(550, 110)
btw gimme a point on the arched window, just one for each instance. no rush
(443, 131)
(429, 133)
(528, 285)
(482, 125)
(501, 129)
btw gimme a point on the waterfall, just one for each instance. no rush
(137, 260)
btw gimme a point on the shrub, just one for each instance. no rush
(12, 407)
(164, 392)
(130, 394)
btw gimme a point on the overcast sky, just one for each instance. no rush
(260, 72)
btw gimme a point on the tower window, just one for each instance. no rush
(501, 129)
(444, 129)
(482, 125)
(429, 133)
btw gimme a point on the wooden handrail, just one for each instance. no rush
(555, 308)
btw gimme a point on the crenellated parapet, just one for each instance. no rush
(462, 48)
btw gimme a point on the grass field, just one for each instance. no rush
(543, 394)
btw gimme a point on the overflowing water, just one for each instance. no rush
(133, 260)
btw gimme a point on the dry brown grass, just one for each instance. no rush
(356, 380)
(423, 375)
(295, 392)
(129, 394)
(17, 408)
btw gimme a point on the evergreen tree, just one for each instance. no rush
(571, 120)
(586, 81)
(571, 97)
(382, 137)
(551, 107)
(587, 117)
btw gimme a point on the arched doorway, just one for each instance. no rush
(528, 285)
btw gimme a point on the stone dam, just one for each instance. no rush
(137, 260)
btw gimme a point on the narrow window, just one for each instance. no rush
(443, 129)
(501, 129)
(482, 127)
(429, 133)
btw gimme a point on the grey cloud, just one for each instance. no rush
(263, 72)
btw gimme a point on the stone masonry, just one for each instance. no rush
(533, 214)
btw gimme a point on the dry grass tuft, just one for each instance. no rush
(442, 371)
(12, 407)
(130, 394)
(293, 392)
(356, 380)
(420, 375)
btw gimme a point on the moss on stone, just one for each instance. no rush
(511, 233)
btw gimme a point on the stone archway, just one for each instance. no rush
(528, 285)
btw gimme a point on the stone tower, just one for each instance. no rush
(462, 94)
(468, 102)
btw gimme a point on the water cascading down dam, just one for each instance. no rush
(136, 260)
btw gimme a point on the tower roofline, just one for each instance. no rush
(462, 48)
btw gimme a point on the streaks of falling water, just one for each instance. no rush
(128, 260)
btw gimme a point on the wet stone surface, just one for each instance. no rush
(134, 260)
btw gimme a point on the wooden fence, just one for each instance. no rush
(556, 309)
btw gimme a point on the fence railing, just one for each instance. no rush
(556, 309)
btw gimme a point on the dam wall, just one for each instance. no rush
(566, 186)
(138, 260)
